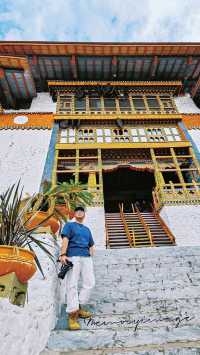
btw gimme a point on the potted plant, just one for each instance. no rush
(16, 240)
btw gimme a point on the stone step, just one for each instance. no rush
(123, 320)
(69, 342)
(145, 301)
(119, 247)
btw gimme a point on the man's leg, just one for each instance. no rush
(88, 282)
(72, 293)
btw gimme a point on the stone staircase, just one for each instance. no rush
(146, 301)
(117, 233)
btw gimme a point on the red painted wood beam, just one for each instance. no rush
(189, 62)
(195, 87)
(17, 85)
(73, 65)
(154, 65)
(28, 94)
(6, 89)
(114, 66)
(197, 70)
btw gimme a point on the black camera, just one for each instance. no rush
(64, 269)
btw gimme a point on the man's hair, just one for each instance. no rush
(79, 208)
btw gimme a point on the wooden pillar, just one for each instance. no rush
(158, 174)
(146, 104)
(77, 167)
(102, 104)
(117, 106)
(92, 181)
(100, 174)
(54, 172)
(131, 103)
(58, 103)
(178, 169)
(162, 109)
(87, 103)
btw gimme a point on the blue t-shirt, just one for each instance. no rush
(80, 239)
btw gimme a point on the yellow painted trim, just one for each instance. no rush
(123, 145)
(115, 83)
(114, 116)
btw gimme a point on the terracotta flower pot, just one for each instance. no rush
(65, 211)
(18, 260)
(40, 216)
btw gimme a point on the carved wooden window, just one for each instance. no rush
(153, 103)
(167, 103)
(80, 104)
(67, 135)
(141, 103)
(121, 135)
(86, 135)
(110, 105)
(95, 104)
(65, 104)
(138, 102)
(124, 105)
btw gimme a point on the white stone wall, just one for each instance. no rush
(41, 103)
(25, 330)
(185, 104)
(95, 220)
(184, 222)
(22, 155)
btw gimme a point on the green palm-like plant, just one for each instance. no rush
(13, 223)
(74, 193)
(69, 193)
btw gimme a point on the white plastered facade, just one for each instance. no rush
(22, 156)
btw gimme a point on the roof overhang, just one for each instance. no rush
(26, 67)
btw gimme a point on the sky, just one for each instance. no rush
(100, 20)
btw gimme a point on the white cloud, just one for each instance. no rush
(101, 20)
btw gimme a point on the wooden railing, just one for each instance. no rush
(130, 235)
(107, 238)
(164, 226)
(146, 227)
(175, 193)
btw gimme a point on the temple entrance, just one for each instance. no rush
(128, 186)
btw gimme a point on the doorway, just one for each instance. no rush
(127, 185)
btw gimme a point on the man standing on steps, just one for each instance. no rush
(78, 247)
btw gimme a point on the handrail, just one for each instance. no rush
(129, 236)
(156, 201)
(164, 226)
(107, 238)
(133, 207)
(146, 227)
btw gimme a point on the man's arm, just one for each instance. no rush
(65, 241)
(63, 258)
(92, 250)
(91, 245)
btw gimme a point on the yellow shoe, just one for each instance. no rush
(72, 321)
(84, 314)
